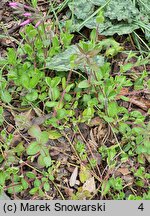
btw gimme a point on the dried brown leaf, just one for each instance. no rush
(124, 171)
(140, 102)
(95, 121)
(73, 177)
(89, 185)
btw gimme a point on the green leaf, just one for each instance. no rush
(54, 93)
(41, 162)
(84, 84)
(32, 96)
(105, 187)
(98, 2)
(46, 186)
(19, 148)
(11, 56)
(124, 98)
(33, 148)
(32, 33)
(15, 188)
(37, 183)
(70, 86)
(112, 109)
(120, 29)
(120, 10)
(28, 49)
(34, 3)
(64, 83)
(84, 174)
(67, 97)
(82, 9)
(33, 190)
(61, 113)
(43, 137)
(108, 119)
(25, 80)
(34, 131)
(5, 96)
(47, 161)
(30, 175)
(66, 38)
(100, 17)
(2, 178)
(126, 67)
(61, 61)
(34, 81)
(55, 82)
(51, 104)
(53, 134)
(48, 81)
(88, 113)
(25, 184)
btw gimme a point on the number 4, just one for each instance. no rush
(141, 207)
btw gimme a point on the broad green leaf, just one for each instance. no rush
(47, 161)
(55, 81)
(32, 96)
(30, 175)
(46, 186)
(88, 113)
(100, 17)
(84, 84)
(112, 109)
(41, 162)
(70, 86)
(120, 10)
(34, 81)
(67, 97)
(33, 148)
(43, 138)
(37, 183)
(82, 9)
(15, 188)
(99, 2)
(84, 174)
(51, 104)
(28, 49)
(61, 62)
(33, 190)
(61, 113)
(66, 39)
(53, 134)
(19, 148)
(6, 96)
(126, 67)
(25, 81)
(121, 29)
(11, 56)
(54, 93)
(48, 81)
(144, 7)
(124, 98)
(108, 119)
(25, 184)
(34, 131)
